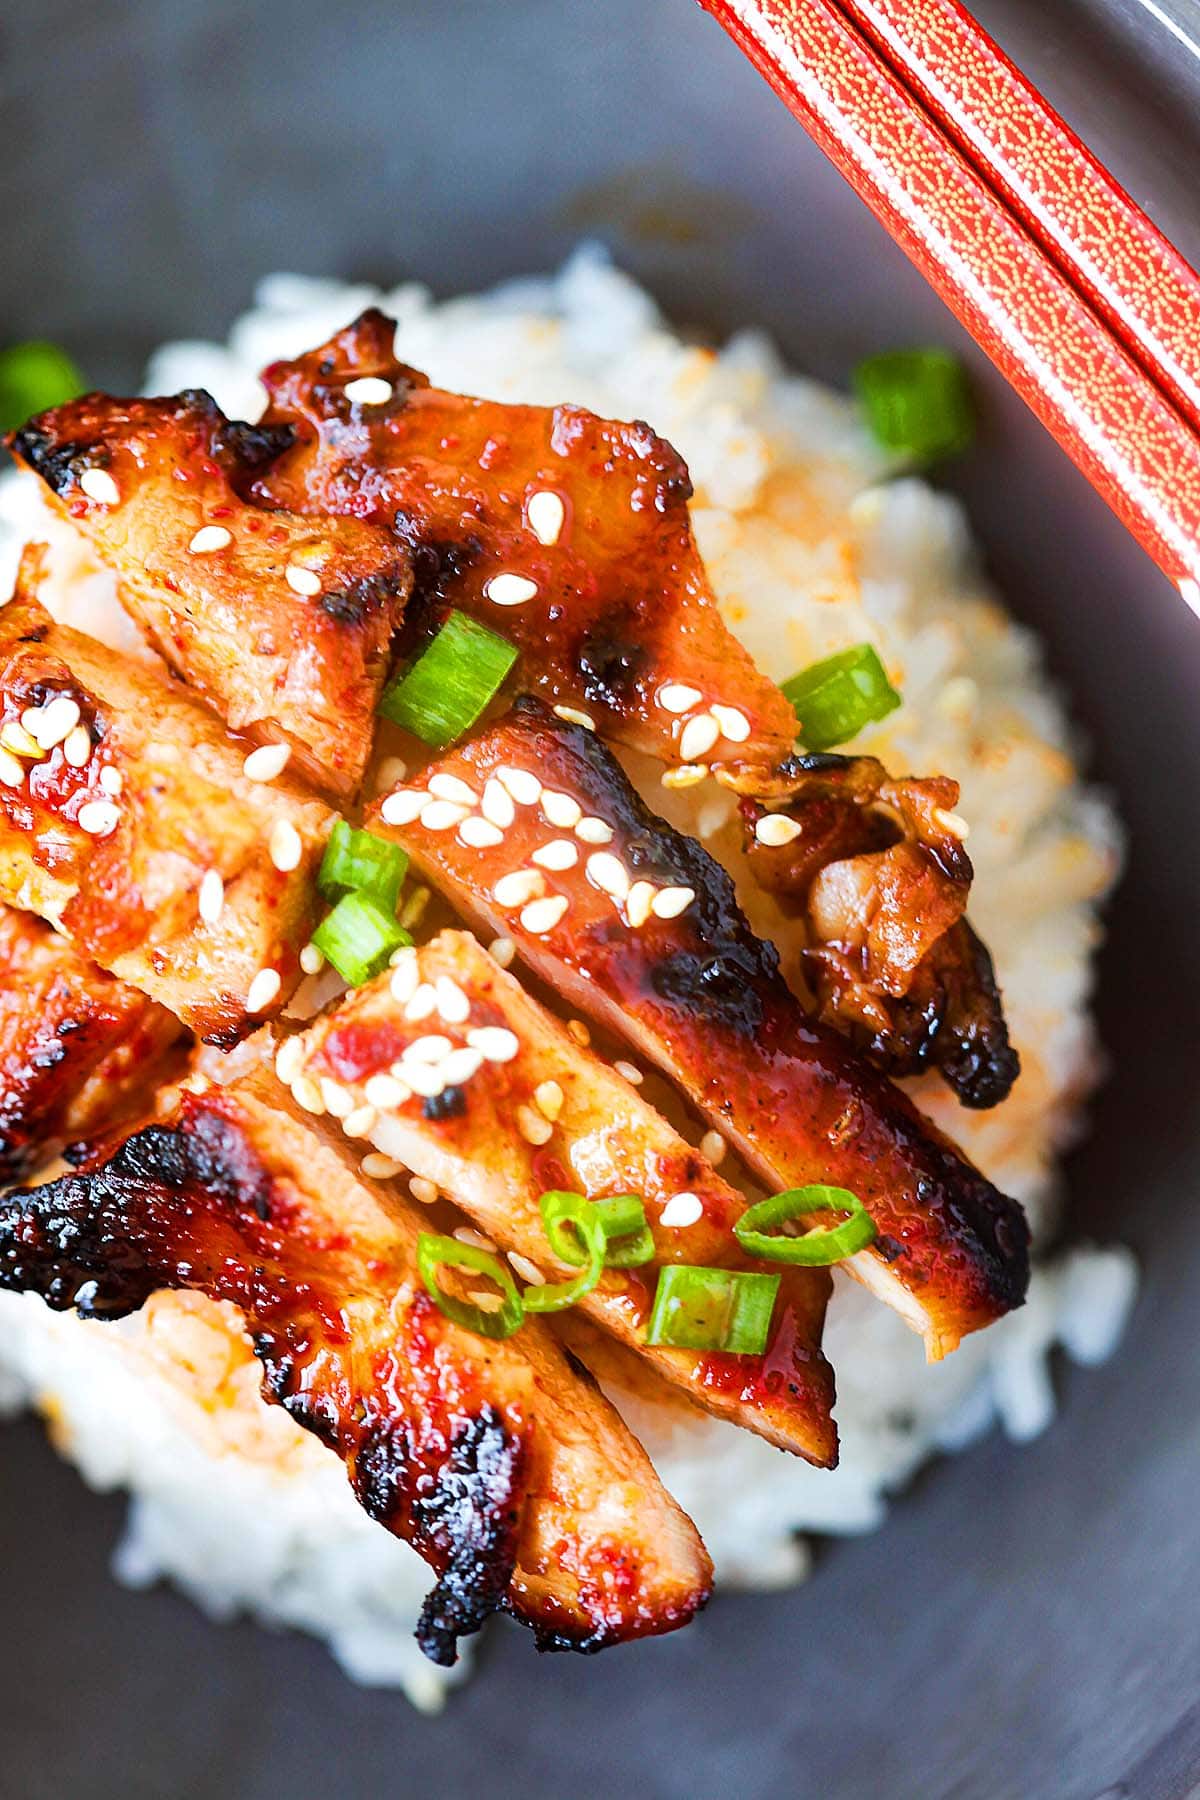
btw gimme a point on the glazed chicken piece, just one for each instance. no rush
(282, 624)
(496, 1460)
(645, 935)
(485, 1094)
(127, 818)
(876, 868)
(79, 1051)
(566, 533)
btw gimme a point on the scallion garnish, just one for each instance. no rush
(828, 1244)
(917, 402)
(836, 697)
(712, 1309)
(622, 1217)
(360, 862)
(359, 937)
(34, 376)
(556, 1209)
(434, 1252)
(442, 693)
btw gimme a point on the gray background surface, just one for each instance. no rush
(1028, 1625)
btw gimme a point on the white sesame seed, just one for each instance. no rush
(676, 697)
(78, 747)
(402, 807)
(478, 1240)
(775, 830)
(609, 873)
(545, 515)
(99, 818)
(449, 787)
(368, 390)
(532, 1127)
(390, 773)
(312, 960)
(425, 1079)
(497, 804)
(422, 1004)
(57, 721)
(681, 1210)
(560, 809)
(518, 887)
(686, 775)
(380, 1167)
(734, 724)
(431, 1048)
(571, 715)
(486, 1299)
(30, 718)
(460, 1065)
(480, 834)
(406, 976)
(14, 737)
(952, 823)
(263, 990)
(669, 902)
(639, 902)
(630, 1071)
(385, 1092)
(507, 589)
(502, 950)
(289, 1059)
(265, 763)
(713, 1147)
(338, 1099)
(210, 537)
(453, 1004)
(111, 780)
(495, 1043)
(302, 581)
(529, 1272)
(559, 853)
(524, 786)
(307, 1093)
(594, 831)
(361, 1122)
(211, 898)
(579, 1032)
(541, 916)
(548, 1097)
(442, 815)
(285, 846)
(12, 772)
(698, 737)
(99, 485)
(424, 1191)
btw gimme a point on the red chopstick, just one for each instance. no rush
(1064, 195)
(1065, 361)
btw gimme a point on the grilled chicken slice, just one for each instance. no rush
(126, 817)
(79, 1050)
(567, 533)
(647, 937)
(497, 1461)
(485, 1094)
(282, 624)
(876, 868)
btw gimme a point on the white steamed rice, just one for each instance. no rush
(811, 545)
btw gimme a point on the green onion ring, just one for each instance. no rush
(434, 1251)
(556, 1209)
(828, 1244)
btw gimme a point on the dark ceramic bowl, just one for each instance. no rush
(1027, 1626)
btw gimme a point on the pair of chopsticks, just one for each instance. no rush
(1066, 284)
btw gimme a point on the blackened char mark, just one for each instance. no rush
(55, 462)
(979, 1062)
(610, 660)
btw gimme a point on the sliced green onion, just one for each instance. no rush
(712, 1309)
(358, 937)
(443, 692)
(621, 1216)
(360, 862)
(556, 1209)
(434, 1252)
(828, 1244)
(34, 376)
(917, 402)
(836, 697)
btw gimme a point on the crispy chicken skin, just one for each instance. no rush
(282, 624)
(700, 995)
(622, 612)
(499, 1462)
(114, 845)
(603, 1139)
(880, 877)
(79, 1050)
